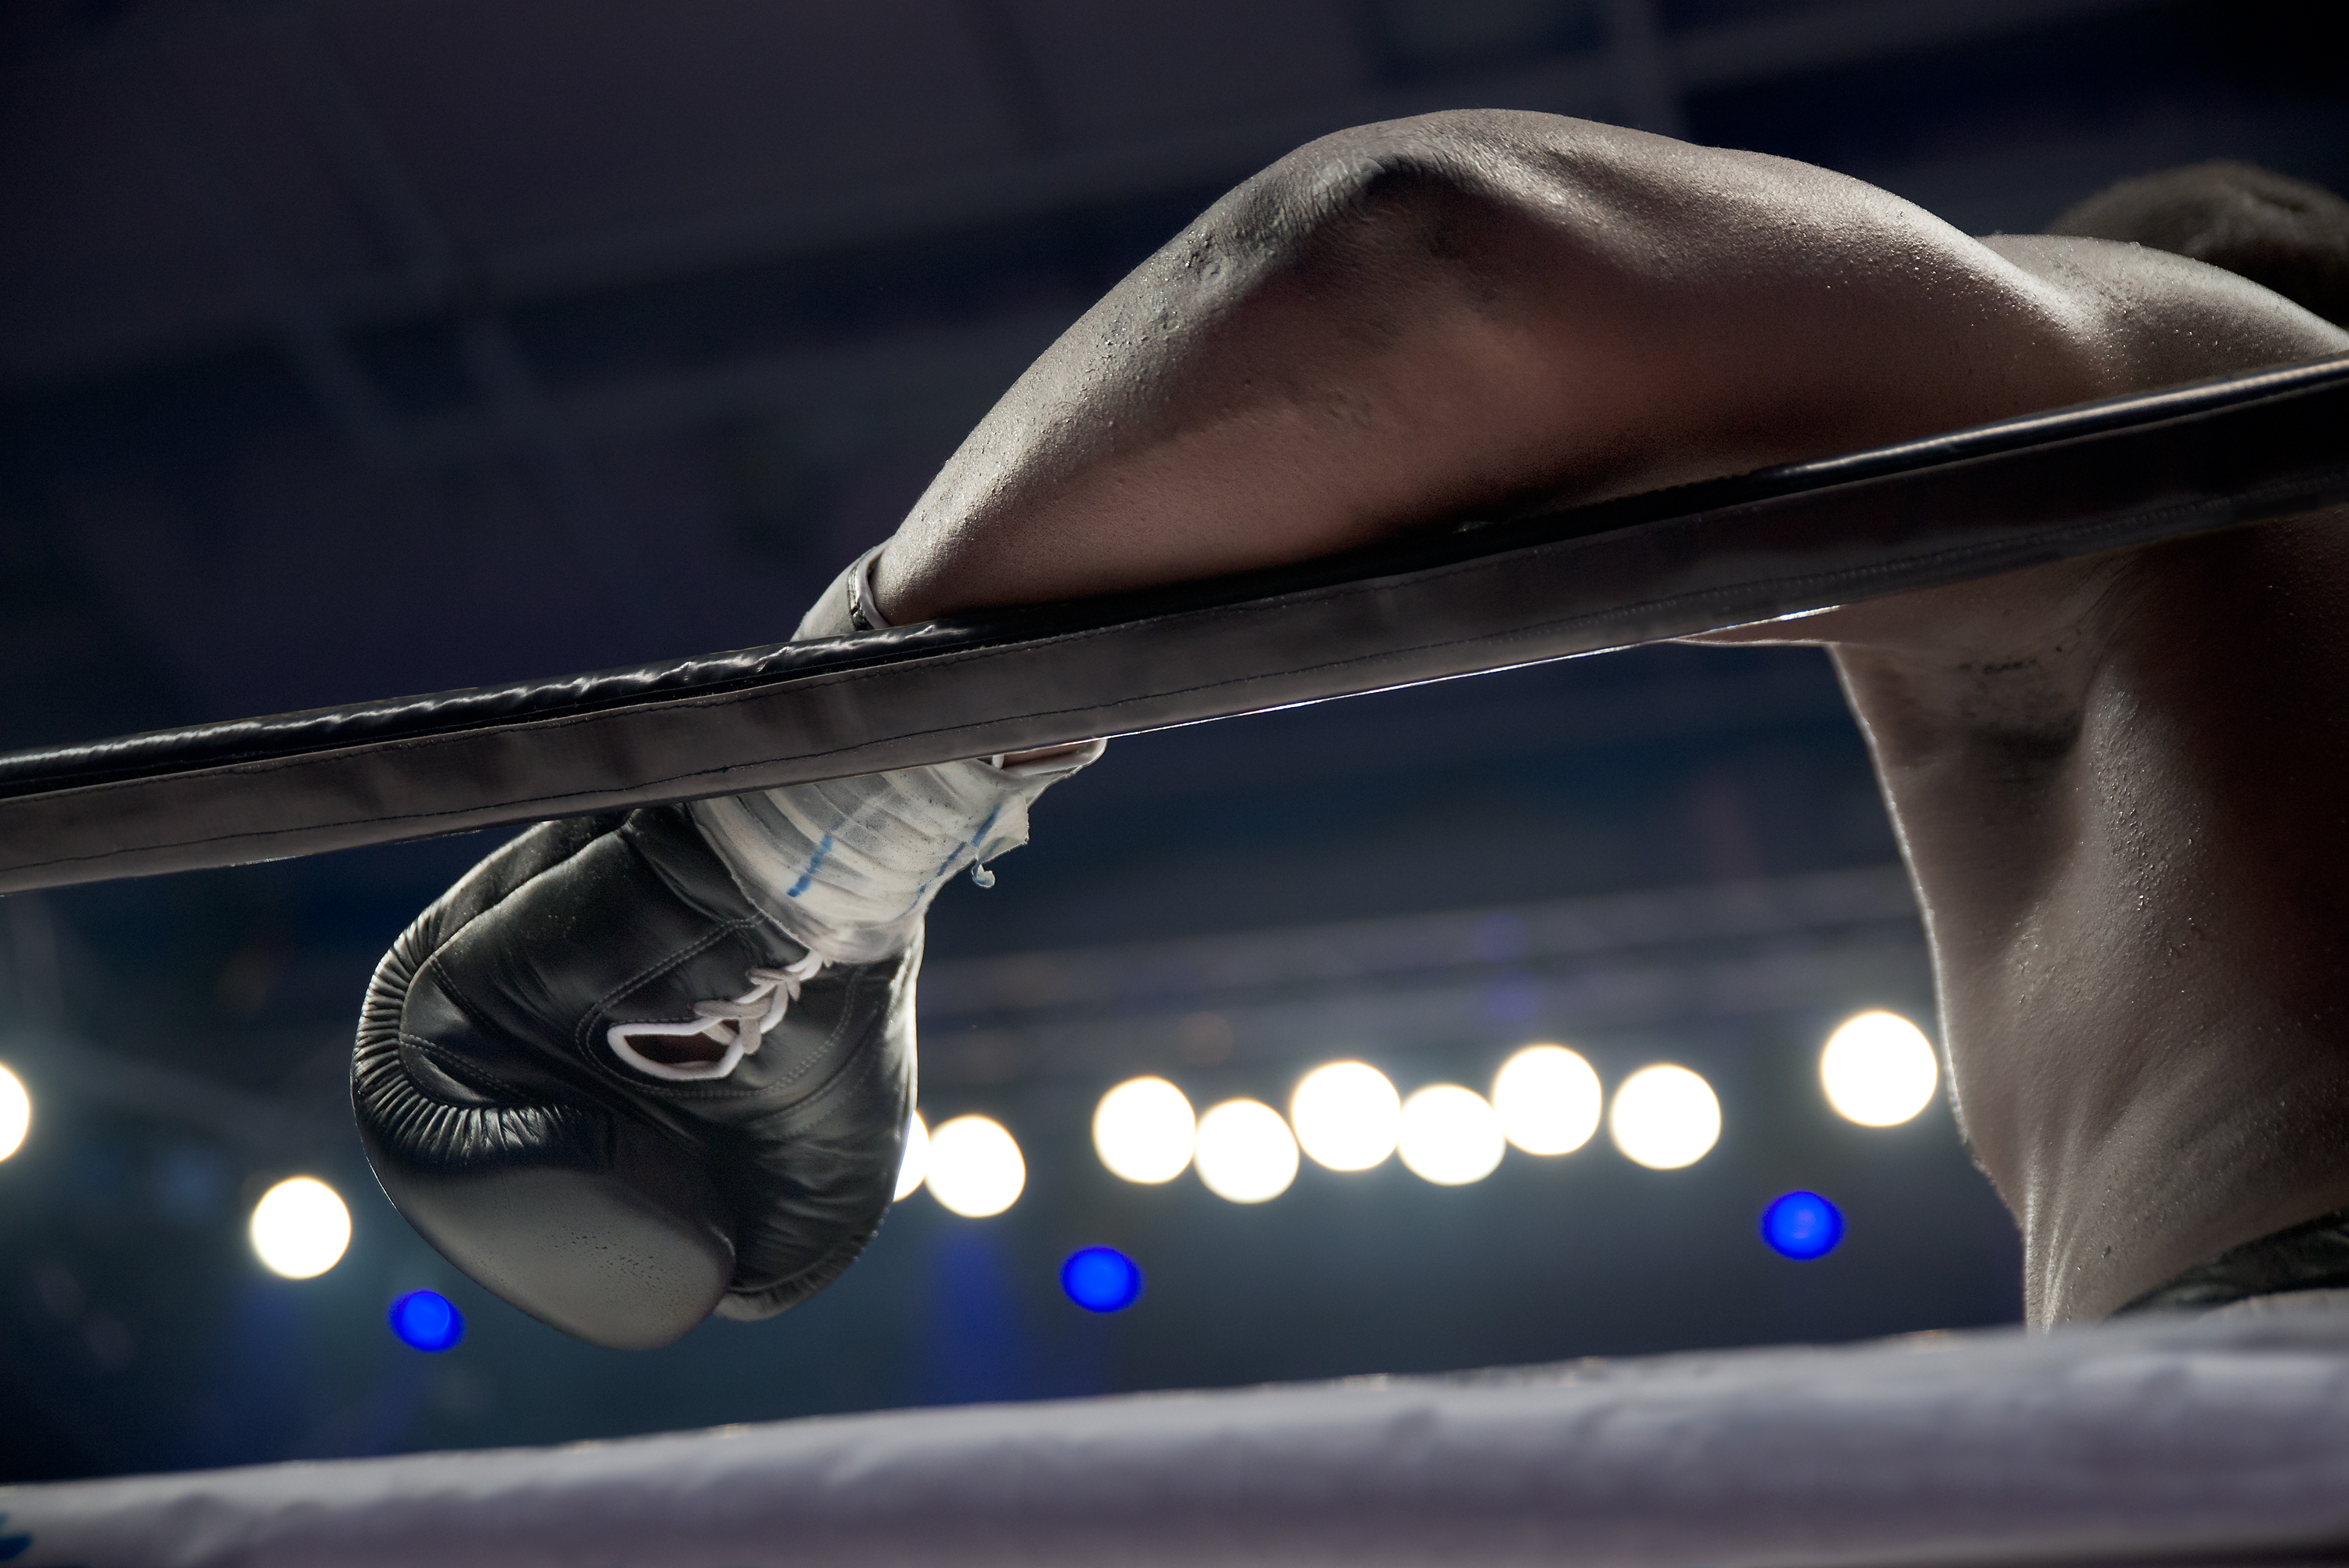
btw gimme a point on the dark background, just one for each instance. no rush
(364, 347)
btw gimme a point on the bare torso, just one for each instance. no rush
(2115, 780)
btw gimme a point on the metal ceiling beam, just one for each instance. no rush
(258, 1127)
(304, 327)
(820, 223)
(973, 362)
(1603, 970)
(967, 363)
(39, 1041)
(511, 393)
(1585, 83)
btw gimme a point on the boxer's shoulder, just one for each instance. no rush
(2154, 319)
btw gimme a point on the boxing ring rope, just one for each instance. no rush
(2073, 481)
(2205, 1441)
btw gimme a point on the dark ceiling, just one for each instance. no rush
(357, 347)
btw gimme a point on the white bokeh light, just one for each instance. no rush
(915, 1168)
(1347, 1116)
(1450, 1135)
(1144, 1130)
(15, 1113)
(1664, 1118)
(1880, 1070)
(1548, 1100)
(1245, 1153)
(300, 1228)
(976, 1169)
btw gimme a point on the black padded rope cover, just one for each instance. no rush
(2073, 481)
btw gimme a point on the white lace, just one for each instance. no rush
(740, 1024)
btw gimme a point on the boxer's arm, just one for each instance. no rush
(1483, 310)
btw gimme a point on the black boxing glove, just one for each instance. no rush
(518, 1128)
(637, 1069)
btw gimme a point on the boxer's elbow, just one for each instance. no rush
(1381, 209)
(1397, 174)
(1560, 231)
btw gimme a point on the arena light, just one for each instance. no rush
(1450, 1136)
(1548, 1100)
(1245, 1153)
(976, 1169)
(300, 1228)
(427, 1320)
(1878, 1070)
(913, 1165)
(15, 1113)
(1664, 1118)
(1101, 1279)
(1347, 1115)
(1802, 1226)
(1145, 1131)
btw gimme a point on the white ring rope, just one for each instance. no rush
(2162, 1440)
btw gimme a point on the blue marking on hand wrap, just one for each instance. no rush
(815, 861)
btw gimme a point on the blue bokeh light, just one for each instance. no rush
(427, 1320)
(1802, 1226)
(1101, 1279)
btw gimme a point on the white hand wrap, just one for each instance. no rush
(848, 867)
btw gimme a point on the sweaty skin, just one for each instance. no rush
(2118, 782)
